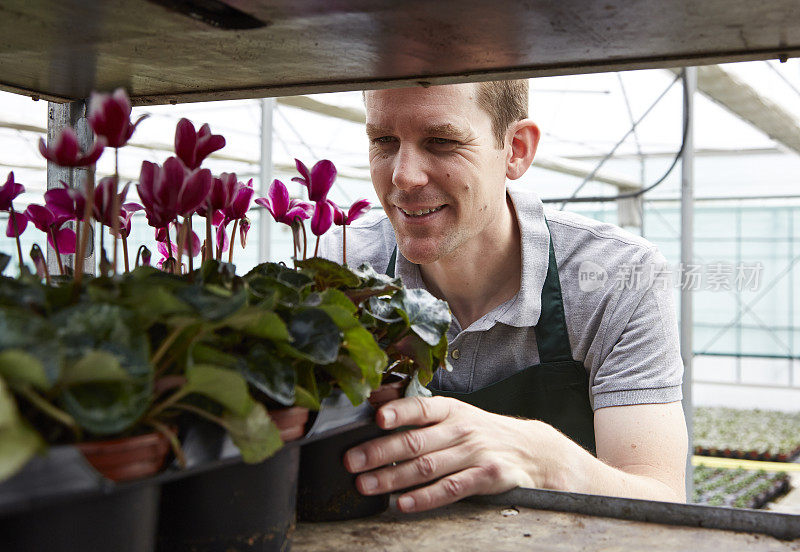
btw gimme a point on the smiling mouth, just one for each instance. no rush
(421, 212)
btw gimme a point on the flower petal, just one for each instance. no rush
(65, 238)
(357, 210)
(21, 221)
(322, 176)
(322, 219)
(279, 198)
(185, 142)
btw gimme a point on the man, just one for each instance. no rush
(541, 331)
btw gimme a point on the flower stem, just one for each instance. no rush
(115, 209)
(16, 235)
(209, 241)
(180, 240)
(305, 240)
(77, 265)
(87, 221)
(167, 343)
(169, 243)
(171, 437)
(316, 247)
(233, 239)
(125, 254)
(58, 253)
(344, 244)
(187, 221)
(46, 407)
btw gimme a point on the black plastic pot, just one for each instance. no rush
(233, 507)
(58, 503)
(327, 491)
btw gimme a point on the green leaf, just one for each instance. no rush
(421, 353)
(213, 302)
(25, 331)
(18, 444)
(383, 310)
(350, 380)
(328, 273)
(107, 408)
(221, 385)
(315, 335)
(428, 317)
(334, 297)
(17, 366)
(303, 397)
(255, 434)
(94, 367)
(205, 354)
(27, 293)
(4, 260)
(270, 374)
(281, 273)
(259, 323)
(367, 355)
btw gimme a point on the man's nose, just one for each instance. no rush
(409, 168)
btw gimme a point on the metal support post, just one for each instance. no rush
(265, 220)
(60, 116)
(687, 257)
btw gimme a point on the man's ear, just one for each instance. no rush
(524, 138)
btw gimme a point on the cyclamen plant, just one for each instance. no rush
(88, 357)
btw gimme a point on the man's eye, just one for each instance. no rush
(383, 139)
(442, 141)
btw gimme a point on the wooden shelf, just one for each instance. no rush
(62, 49)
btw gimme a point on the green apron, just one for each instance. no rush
(555, 391)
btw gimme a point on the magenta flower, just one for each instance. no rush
(65, 203)
(322, 219)
(193, 147)
(104, 200)
(192, 246)
(61, 239)
(223, 190)
(8, 193)
(357, 210)
(244, 228)
(318, 181)
(110, 117)
(283, 209)
(67, 152)
(125, 216)
(240, 204)
(171, 190)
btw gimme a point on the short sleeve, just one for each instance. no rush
(642, 362)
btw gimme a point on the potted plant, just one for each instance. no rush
(138, 356)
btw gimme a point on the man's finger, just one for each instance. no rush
(402, 446)
(422, 469)
(447, 490)
(414, 411)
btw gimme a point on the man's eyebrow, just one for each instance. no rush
(447, 130)
(373, 131)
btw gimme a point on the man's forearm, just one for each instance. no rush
(572, 468)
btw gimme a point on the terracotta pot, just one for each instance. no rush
(393, 388)
(127, 458)
(290, 421)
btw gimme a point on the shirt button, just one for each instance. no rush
(456, 354)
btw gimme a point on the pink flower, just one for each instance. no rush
(193, 147)
(65, 203)
(110, 117)
(357, 210)
(61, 239)
(192, 245)
(125, 216)
(104, 200)
(171, 190)
(67, 152)
(240, 204)
(283, 209)
(223, 190)
(318, 181)
(322, 219)
(8, 192)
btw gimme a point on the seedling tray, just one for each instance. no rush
(737, 488)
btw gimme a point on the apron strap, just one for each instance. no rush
(392, 261)
(552, 336)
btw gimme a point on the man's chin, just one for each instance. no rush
(421, 252)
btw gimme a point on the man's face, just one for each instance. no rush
(436, 168)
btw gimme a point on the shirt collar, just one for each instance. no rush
(524, 308)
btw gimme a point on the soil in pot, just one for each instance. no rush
(327, 491)
(127, 458)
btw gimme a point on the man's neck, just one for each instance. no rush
(482, 273)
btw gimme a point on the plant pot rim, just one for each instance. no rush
(127, 458)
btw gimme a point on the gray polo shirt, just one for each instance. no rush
(617, 300)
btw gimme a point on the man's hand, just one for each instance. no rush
(468, 450)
